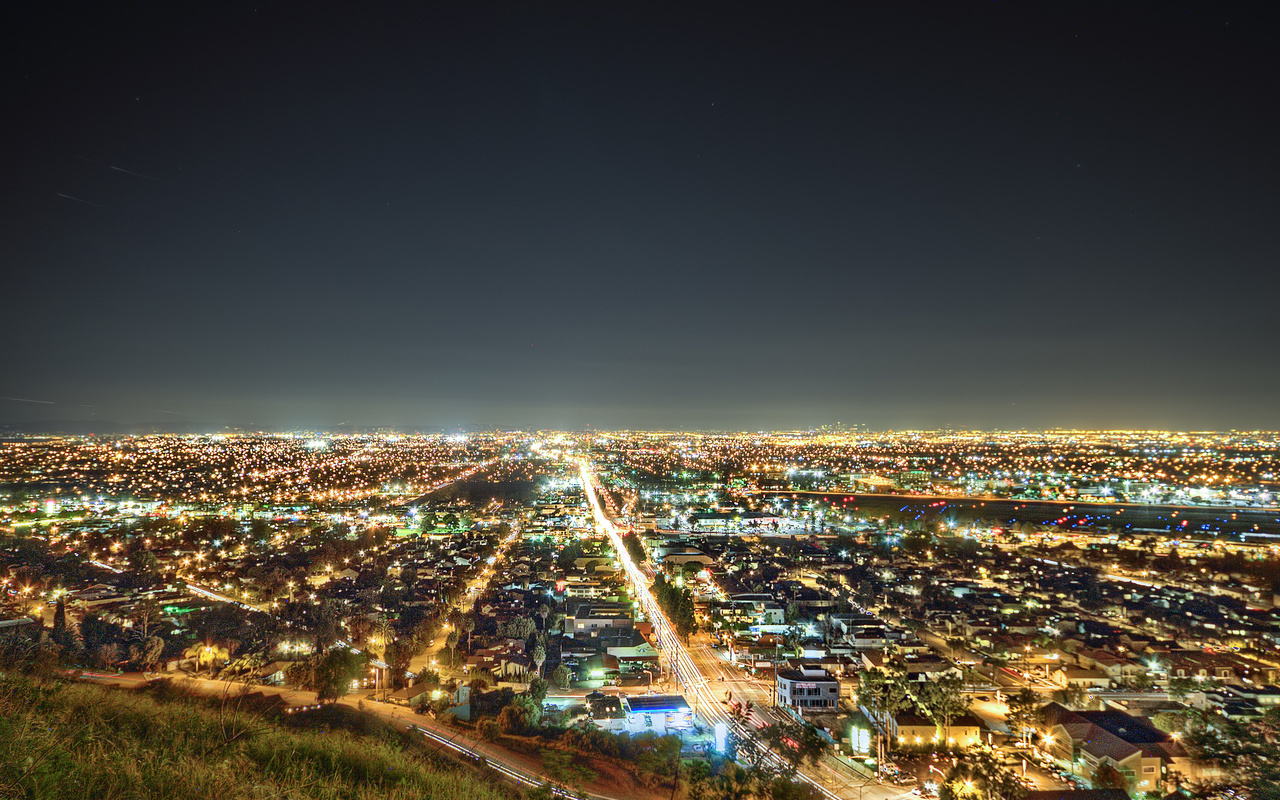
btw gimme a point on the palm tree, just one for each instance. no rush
(539, 656)
(451, 641)
(543, 611)
(469, 625)
(383, 632)
(206, 650)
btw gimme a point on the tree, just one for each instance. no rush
(798, 744)
(383, 634)
(108, 655)
(543, 611)
(146, 613)
(1072, 696)
(792, 612)
(519, 628)
(1179, 688)
(143, 568)
(451, 642)
(97, 632)
(1107, 776)
(469, 625)
(398, 657)
(529, 708)
(562, 676)
(146, 653)
(1024, 710)
(335, 673)
(569, 554)
(326, 627)
(539, 656)
(300, 673)
(943, 701)
(511, 720)
(980, 777)
(635, 549)
(60, 617)
(61, 635)
(1247, 755)
(206, 652)
(884, 693)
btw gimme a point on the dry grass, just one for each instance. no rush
(75, 742)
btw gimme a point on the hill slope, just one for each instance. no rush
(73, 741)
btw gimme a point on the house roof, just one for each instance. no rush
(1112, 734)
(410, 692)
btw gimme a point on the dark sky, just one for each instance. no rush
(1010, 214)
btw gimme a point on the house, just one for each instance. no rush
(929, 669)
(14, 622)
(1226, 667)
(1118, 668)
(584, 590)
(1081, 677)
(412, 696)
(913, 727)
(506, 660)
(272, 673)
(1141, 752)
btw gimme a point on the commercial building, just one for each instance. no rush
(808, 687)
(659, 713)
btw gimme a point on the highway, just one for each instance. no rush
(833, 777)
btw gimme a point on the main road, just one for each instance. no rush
(833, 777)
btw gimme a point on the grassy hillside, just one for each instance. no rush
(72, 741)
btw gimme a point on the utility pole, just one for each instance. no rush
(775, 675)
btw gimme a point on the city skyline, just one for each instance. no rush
(817, 616)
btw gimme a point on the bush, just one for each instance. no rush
(489, 729)
(511, 721)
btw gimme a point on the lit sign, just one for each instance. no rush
(861, 740)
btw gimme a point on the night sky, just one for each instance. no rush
(907, 215)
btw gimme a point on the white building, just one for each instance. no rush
(809, 687)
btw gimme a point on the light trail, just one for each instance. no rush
(518, 776)
(685, 671)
